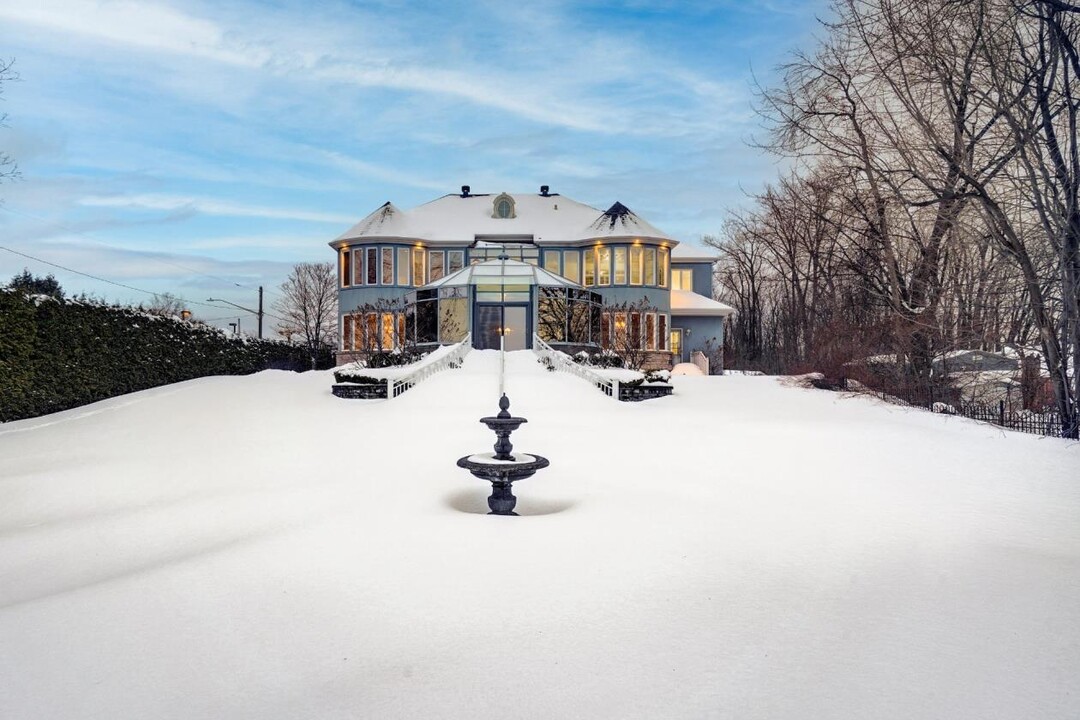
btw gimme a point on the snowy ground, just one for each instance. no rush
(256, 548)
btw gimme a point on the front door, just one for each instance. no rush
(511, 322)
(676, 344)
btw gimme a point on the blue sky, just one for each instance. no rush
(192, 147)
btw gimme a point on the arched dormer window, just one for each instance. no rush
(503, 206)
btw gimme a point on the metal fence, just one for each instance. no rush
(1004, 414)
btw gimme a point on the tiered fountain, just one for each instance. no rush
(501, 468)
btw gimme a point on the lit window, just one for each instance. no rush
(403, 266)
(682, 279)
(620, 266)
(572, 265)
(551, 261)
(387, 331)
(418, 266)
(636, 252)
(590, 267)
(603, 265)
(663, 267)
(650, 266)
(620, 330)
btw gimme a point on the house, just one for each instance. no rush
(504, 267)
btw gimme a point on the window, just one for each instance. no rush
(435, 259)
(650, 266)
(346, 267)
(551, 261)
(403, 266)
(346, 332)
(572, 265)
(661, 332)
(676, 342)
(605, 330)
(388, 266)
(620, 266)
(427, 321)
(371, 341)
(455, 260)
(551, 314)
(358, 266)
(453, 319)
(503, 207)
(635, 330)
(590, 267)
(663, 269)
(418, 266)
(682, 279)
(603, 265)
(372, 266)
(620, 330)
(636, 252)
(387, 331)
(650, 331)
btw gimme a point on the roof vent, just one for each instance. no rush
(465, 190)
(544, 190)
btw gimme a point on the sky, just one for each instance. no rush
(203, 148)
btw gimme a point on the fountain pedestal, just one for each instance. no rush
(501, 468)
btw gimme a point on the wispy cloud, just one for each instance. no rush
(210, 206)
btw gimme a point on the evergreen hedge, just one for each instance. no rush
(57, 354)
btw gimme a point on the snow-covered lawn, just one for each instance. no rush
(256, 548)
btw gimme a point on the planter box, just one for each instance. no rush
(360, 392)
(637, 393)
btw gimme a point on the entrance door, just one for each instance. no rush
(676, 344)
(507, 321)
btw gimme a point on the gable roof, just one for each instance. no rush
(546, 219)
(684, 302)
(685, 252)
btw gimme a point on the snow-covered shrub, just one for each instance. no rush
(64, 353)
(393, 358)
(657, 376)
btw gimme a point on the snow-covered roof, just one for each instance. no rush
(684, 302)
(541, 218)
(502, 272)
(684, 252)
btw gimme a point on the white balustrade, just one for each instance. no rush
(564, 363)
(453, 359)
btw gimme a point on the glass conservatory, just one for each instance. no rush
(503, 301)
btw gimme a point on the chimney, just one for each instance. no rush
(465, 191)
(544, 190)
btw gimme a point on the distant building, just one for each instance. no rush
(974, 361)
(506, 266)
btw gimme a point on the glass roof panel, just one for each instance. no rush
(502, 272)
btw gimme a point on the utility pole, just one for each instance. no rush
(258, 312)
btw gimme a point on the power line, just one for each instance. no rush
(80, 233)
(101, 279)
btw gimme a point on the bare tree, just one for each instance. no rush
(166, 305)
(9, 170)
(308, 306)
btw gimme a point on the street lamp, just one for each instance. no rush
(258, 312)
